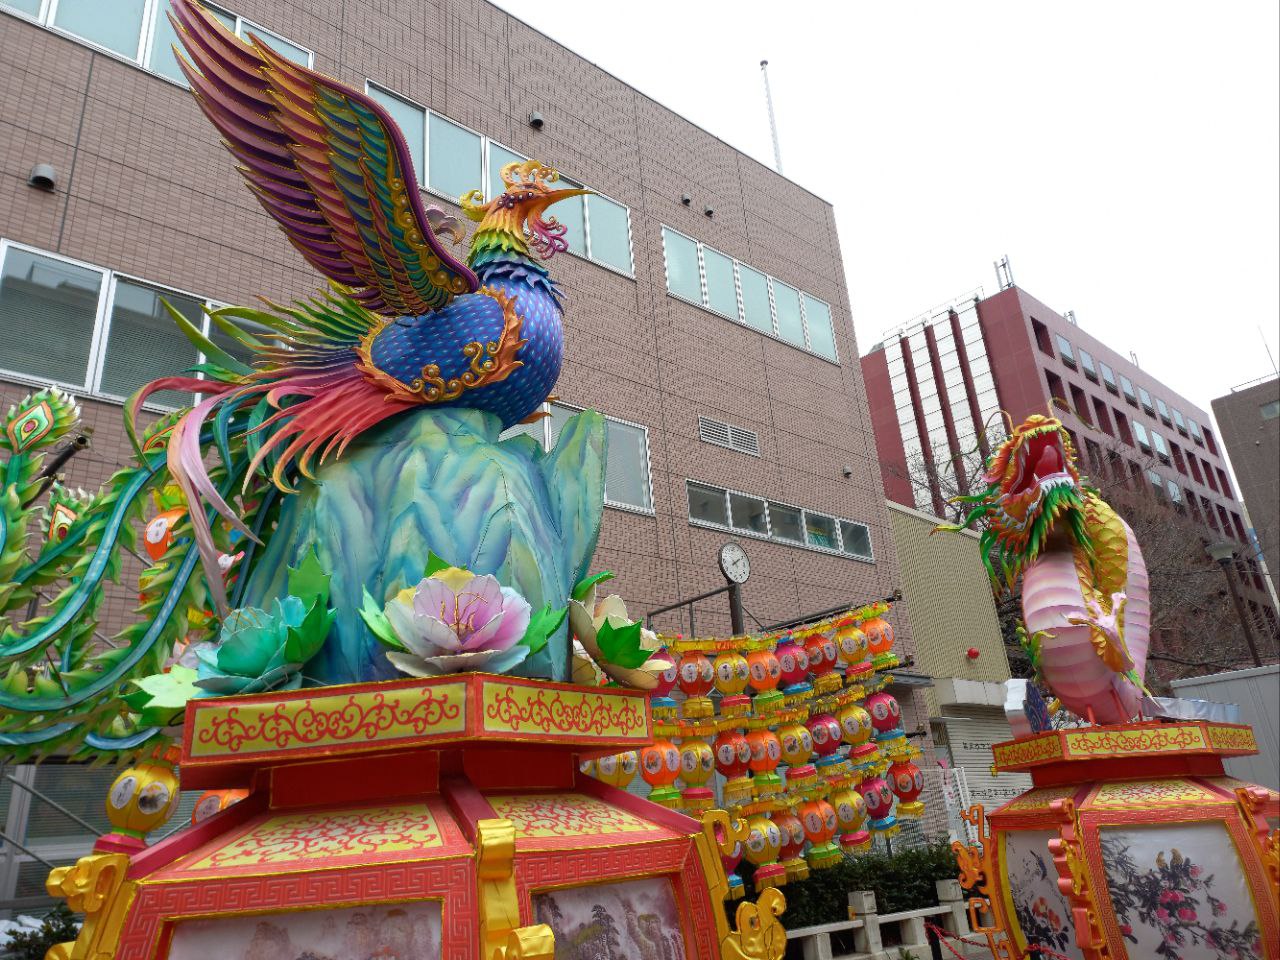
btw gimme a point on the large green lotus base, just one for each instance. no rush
(440, 481)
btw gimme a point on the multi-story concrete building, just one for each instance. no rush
(707, 314)
(1249, 424)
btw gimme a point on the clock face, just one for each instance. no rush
(734, 563)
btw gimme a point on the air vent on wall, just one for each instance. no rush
(727, 435)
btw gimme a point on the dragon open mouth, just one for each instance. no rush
(1041, 464)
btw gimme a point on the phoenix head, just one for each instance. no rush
(516, 220)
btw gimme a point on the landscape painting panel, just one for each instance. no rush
(636, 920)
(405, 931)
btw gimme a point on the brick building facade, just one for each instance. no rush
(1249, 422)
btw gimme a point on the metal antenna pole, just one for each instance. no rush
(773, 126)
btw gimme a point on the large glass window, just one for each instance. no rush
(765, 303)
(1086, 364)
(755, 298)
(1127, 386)
(1108, 376)
(1146, 400)
(822, 336)
(1178, 422)
(30, 7)
(83, 327)
(48, 310)
(609, 233)
(753, 515)
(1140, 432)
(143, 342)
(1065, 352)
(571, 211)
(722, 293)
(113, 24)
(855, 539)
(786, 304)
(455, 158)
(683, 278)
(626, 479)
(820, 531)
(412, 121)
(1163, 409)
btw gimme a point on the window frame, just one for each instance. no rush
(741, 318)
(100, 336)
(1067, 356)
(544, 427)
(803, 544)
(1108, 377)
(153, 12)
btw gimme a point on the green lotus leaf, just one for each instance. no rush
(378, 624)
(584, 586)
(161, 698)
(542, 624)
(308, 582)
(621, 645)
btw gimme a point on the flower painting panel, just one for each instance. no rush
(635, 920)
(1040, 911)
(1180, 893)
(409, 931)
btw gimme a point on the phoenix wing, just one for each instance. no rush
(329, 164)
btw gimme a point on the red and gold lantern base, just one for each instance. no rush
(1132, 844)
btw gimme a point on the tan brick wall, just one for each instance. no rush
(146, 189)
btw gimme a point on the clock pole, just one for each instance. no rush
(735, 609)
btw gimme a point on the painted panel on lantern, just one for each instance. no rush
(355, 933)
(1179, 891)
(1041, 914)
(636, 920)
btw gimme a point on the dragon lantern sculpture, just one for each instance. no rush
(1085, 595)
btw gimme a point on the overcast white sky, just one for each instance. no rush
(1125, 155)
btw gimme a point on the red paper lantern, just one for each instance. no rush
(878, 797)
(793, 661)
(908, 783)
(825, 732)
(823, 654)
(733, 754)
(792, 831)
(765, 670)
(766, 751)
(666, 679)
(819, 820)
(886, 715)
(696, 675)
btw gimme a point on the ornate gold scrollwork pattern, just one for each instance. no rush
(95, 886)
(979, 867)
(1253, 802)
(759, 934)
(501, 936)
(1073, 880)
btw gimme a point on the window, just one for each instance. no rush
(1270, 410)
(855, 539)
(786, 522)
(705, 276)
(1223, 482)
(820, 531)
(455, 158)
(1086, 364)
(1140, 432)
(1146, 400)
(1067, 354)
(139, 30)
(1175, 493)
(1163, 408)
(1108, 377)
(1209, 477)
(1162, 448)
(1208, 440)
(459, 160)
(1122, 425)
(1194, 429)
(1126, 385)
(161, 59)
(755, 516)
(1081, 404)
(708, 504)
(1178, 461)
(1057, 393)
(1102, 417)
(1156, 485)
(1042, 337)
(1194, 464)
(627, 478)
(1179, 422)
(682, 266)
(748, 513)
(90, 329)
(722, 292)
(786, 303)
(727, 435)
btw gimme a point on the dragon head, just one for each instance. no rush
(514, 220)
(1032, 483)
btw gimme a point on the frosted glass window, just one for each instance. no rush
(722, 295)
(455, 158)
(748, 513)
(47, 314)
(610, 233)
(627, 467)
(412, 121)
(822, 337)
(786, 302)
(144, 343)
(707, 504)
(30, 7)
(682, 266)
(755, 298)
(113, 24)
(786, 523)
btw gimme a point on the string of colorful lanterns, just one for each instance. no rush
(808, 745)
